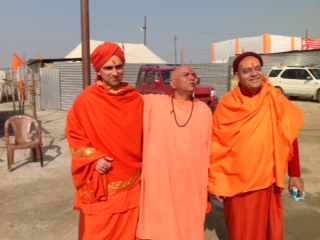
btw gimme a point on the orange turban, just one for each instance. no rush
(104, 52)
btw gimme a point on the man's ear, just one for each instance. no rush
(236, 76)
(173, 84)
(98, 73)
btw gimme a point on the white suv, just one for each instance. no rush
(297, 81)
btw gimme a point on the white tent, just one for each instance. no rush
(134, 53)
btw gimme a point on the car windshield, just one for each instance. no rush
(315, 72)
(274, 73)
(166, 76)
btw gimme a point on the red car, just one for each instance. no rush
(155, 79)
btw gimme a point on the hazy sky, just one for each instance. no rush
(52, 28)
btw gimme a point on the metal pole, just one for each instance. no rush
(24, 84)
(85, 39)
(33, 95)
(229, 78)
(33, 92)
(175, 49)
(182, 55)
(144, 29)
(13, 89)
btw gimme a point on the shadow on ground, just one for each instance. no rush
(215, 222)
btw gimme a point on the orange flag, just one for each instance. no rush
(16, 62)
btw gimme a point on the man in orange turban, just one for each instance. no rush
(104, 131)
(254, 143)
(103, 53)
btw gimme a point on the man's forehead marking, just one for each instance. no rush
(251, 62)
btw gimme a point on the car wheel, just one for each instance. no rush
(294, 97)
(318, 96)
(280, 89)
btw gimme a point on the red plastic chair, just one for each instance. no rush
(24, 138)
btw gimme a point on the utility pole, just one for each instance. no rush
(144, 29)
(175, 49)
(85, 39)
(182, 55)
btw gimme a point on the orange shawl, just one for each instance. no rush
(104, 123)
(252, 141)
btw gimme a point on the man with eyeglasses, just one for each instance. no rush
(254, 144)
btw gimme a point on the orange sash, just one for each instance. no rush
(252, 141)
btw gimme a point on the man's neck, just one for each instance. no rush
(249, 94)
(117, 89)
(184, 97)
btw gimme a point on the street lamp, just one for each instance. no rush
(144, 30)
(175, 48)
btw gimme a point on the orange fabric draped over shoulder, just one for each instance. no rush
(246, 129)
(104, 123)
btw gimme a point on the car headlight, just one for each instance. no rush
(213, 93)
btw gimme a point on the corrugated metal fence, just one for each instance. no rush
(61, 85)
(50, 88)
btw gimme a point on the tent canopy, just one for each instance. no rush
(134, 53)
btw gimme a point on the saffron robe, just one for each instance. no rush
(175, 169)
(252, 141)
(255, 215)
(106, 123)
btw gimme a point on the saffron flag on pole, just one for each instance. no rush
(16, 62)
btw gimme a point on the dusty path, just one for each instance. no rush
(36, 203)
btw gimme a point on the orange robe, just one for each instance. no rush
(251, 146)
(175, 169)
(105, 123)
(255, 215)
(252, 141)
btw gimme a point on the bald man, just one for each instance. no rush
(254, 143)
(176, 145)
(104, 131)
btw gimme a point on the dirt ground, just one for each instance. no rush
(36, 203)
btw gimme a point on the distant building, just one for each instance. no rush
(2, 75)
(264, 44)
